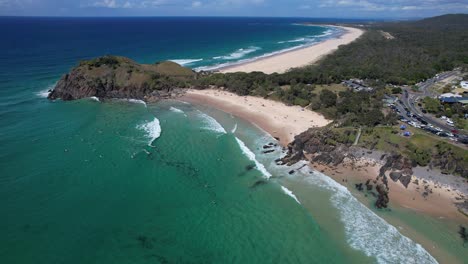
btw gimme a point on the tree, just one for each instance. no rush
(328, 98)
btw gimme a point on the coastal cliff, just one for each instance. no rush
(119, 77)
(334, 147)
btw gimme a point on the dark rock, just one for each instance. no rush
(405, 180)
(369, 185)
(267, 146)
(258, 184)
(395, 175)
(291, 171)
(382, 197)
(359, 186)
(250, 167)
(268, 151)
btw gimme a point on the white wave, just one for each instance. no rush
(136, 101)
(43, 93)
(211, 124)
(367, 232)
(247, 152)
(290, 193)
(293, 40)
(240, 53)
(94, 98)
(234, 129)
(176, 110)
(227, 64)
(184, 62)
(152, 129)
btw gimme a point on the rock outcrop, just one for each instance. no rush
(119, 77)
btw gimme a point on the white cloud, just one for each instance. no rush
(106, 3)
(395, 5)
(196, 4)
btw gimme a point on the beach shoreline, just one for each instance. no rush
(285, 122)
(277, 119)
(296, 58)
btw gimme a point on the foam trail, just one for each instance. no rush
(234, 129)
(211, 124)
(152, 129)
(247, 152)
(136, 101)
(238, 53)
(184, 62)
(290, 193)
(366, 231)
(176, 110)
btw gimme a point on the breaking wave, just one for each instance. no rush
(152, 129)
(240, 53)
(210, 123)
(234, 129)
(176, 110)
(136, 101)
(184, 62)
(366, 231)
(290, 193)
(247, 152)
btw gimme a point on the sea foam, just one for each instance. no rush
(136, 101)
(240, 53)
(247, 152)
(210, 123)
(152, 129)
(184, 62)
(290, 193)
(175, 110)
(366, 231)
(234, 129)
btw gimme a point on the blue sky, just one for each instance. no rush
(302, 8)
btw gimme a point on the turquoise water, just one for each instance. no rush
(88, 183)
(124, 182)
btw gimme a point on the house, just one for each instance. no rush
(453, 100)
(357, 85)
(464, 84)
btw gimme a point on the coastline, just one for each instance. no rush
(279, 120)
(285, 122)
(300, 57)
(438, 205)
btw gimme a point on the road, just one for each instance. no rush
(409, 100)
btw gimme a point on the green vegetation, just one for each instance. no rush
(432, 105)
(421, 148)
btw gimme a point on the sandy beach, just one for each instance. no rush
(276, 118)
(439, 203)
(297, 58)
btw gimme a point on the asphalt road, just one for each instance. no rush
(409, 99)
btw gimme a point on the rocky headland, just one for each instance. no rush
(119, 77)
(328, 149)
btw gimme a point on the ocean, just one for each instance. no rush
(125, 182)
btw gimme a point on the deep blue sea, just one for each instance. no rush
(126, 182)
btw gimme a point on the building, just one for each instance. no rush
(453, 100)
(464, 84)
(357, 85)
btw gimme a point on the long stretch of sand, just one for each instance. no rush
(276, 118)
(297, 58)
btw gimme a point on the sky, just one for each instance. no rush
(267, 8)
